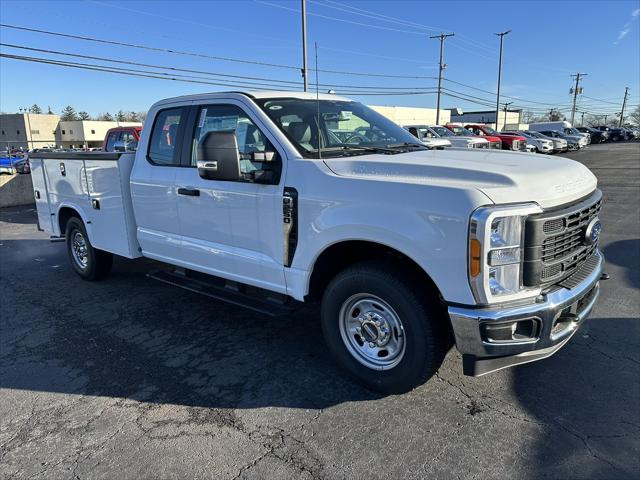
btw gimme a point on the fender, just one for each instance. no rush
(81, 213)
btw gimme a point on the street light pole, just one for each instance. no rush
(501, 35)
(441, 37)
(304, 45)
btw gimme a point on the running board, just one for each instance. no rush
(256, 299)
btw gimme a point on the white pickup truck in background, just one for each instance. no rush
(270, 199)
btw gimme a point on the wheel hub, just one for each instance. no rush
(79, 249)
(372, 331)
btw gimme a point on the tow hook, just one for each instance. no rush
(605, 276)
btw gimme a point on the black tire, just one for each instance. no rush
(98, 262)
(425, 334)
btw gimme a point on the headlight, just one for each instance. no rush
(496, 241)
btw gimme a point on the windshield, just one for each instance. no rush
(462, 132)
(489, 130)
(443, 132)
(340, 127)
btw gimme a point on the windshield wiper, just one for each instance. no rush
(359, 148)
(407, 145)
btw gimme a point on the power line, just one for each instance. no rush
(286, 83)
(202, 55)
(181, 78)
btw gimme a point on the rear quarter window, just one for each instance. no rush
(165, 135)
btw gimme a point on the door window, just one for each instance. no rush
(165, 136)
(257, 154)
(111, 140)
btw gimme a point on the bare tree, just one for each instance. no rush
(105, 117)
(634, 116)
(121, 116)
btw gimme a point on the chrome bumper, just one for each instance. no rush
(559, 308)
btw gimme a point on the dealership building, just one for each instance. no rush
(31, 130)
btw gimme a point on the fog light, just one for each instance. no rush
(516, 331)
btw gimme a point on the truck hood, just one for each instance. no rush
(503, 176)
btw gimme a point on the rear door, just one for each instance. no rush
(153, 185)
(232, 229)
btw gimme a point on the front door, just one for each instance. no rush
(232, 229)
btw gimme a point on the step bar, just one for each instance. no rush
(252, 298)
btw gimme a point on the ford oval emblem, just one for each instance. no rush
(592, 233)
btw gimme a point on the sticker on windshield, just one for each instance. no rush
(275, 107)
(203, 115)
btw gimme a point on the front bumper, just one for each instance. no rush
(558, 314)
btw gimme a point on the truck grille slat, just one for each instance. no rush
(555, 245)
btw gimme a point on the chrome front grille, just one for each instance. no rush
(555, 242)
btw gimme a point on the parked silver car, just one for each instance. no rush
(574, 142)
(559, 144)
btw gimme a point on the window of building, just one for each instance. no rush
(35, 132)
(164, 137)
(63, 132)
(70, 132)
(17, 132)
(93, 132)
(2, 132)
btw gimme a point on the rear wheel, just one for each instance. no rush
(88, 262)
(381, 329)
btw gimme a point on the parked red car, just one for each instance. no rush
(494, 142)
(508, 142)
(121, 139)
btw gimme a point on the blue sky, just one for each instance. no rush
(549, 41)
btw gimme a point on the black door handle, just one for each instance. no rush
(192, 192)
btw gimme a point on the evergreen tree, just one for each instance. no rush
(35, 109)
(69, 113)
(84, 116)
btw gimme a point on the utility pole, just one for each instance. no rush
(575, 94)
(605, 119)
(29, 137)
(624, 104)
(304, 45)
(504, 124)
(442, 37)
(582, 119)
(501, 35)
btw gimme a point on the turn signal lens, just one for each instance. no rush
(474, 257)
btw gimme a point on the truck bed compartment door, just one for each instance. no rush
(41, 195)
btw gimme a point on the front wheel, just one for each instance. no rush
(88, 262)
(381, 329)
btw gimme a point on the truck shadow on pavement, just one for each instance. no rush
(583, 400)
(131, 337)
(626, 254)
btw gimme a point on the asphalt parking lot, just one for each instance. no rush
(128, 378)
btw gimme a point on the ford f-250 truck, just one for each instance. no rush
(270, 199)
(509, 142)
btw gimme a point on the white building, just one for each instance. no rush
(412, 115)
(33, 130)
(506, 120)
(85, 133)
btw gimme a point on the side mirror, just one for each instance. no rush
(218, 156)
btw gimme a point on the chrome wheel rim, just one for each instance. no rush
(372, 331)
(79, 250)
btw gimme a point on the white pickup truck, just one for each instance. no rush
(270, 199)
